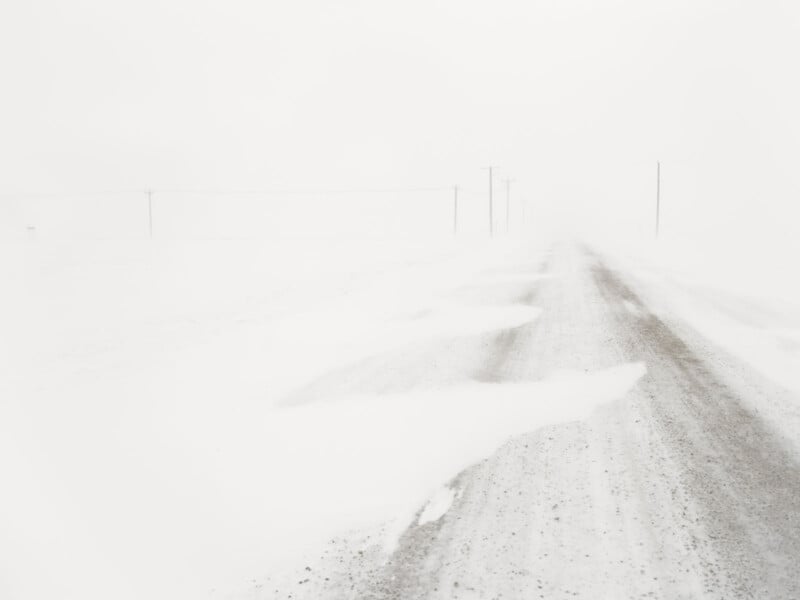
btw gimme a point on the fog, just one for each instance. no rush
(576, 101)
(305, 348)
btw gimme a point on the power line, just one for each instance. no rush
(300, 191)
(68, 193)
(220, 191)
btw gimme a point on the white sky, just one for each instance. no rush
(575, 100)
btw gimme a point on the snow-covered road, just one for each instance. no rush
(686, 487)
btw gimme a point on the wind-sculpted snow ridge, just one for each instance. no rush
(678, 489)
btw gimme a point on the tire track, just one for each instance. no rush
(746, 483)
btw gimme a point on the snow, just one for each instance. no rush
(401, 447)
(146, 439)
(437, 506)
(744, 299)
(630, 307)
(147, 445)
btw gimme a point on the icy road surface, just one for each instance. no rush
(680, 489)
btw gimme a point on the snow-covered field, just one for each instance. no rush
(169, 427)
(149, 449)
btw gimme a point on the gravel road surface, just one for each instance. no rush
(678, 490)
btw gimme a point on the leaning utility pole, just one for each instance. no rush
(150, 211)
(508, 200)
(658, 196)
(491, 203)
(455, 209)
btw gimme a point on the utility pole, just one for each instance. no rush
(150, 211)
(658, 196)
(508, 200)
(455, 209)
(491, 202)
